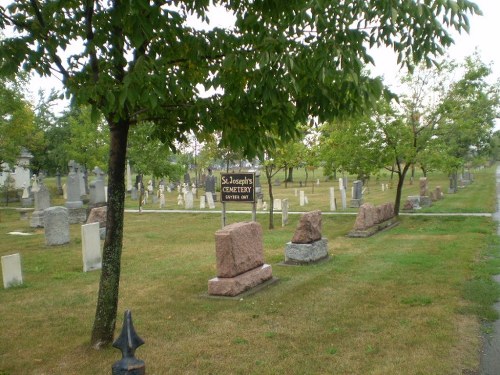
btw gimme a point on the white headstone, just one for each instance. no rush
(203, 202)
(277, 204)
(91, 247)
(306, 200)
(317, 181)
(180, 200)
(341, 184)
(333, 204)
(189, 200)
(301, 198)
(129, 177)
(284, 212)
(210, 200)
(11, 270)
(259, 203)
(383, 187)
(344, 199)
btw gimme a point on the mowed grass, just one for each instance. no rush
(409, 300)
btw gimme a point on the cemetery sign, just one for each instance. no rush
(237, 187)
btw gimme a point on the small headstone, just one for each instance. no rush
(259, 204)
(56, 223)
(264, 206)
(415, 201)
(128, 177)
(277, 204)
(202, 202)
(161, 192)
(333, 203)
(180, 200)
(210, 200)
(307, 245)
(301, 198)
(284, 212)
(91, 247)
(11, 270)
(344, 199)
(189, 203)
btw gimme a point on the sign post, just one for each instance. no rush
(237, 187)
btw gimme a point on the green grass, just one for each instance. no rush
(409, 300)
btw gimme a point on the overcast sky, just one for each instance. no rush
(484, 35)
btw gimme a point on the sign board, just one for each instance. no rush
(237, 187)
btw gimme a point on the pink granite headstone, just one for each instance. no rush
(309, 228)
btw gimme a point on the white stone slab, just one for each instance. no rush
(333, 204)
(203, 202)
(210, 200)
(277, 204)
(91, 247)
(301, 198)
(11, 270)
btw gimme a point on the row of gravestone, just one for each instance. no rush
(57, 233)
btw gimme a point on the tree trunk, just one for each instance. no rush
(286, 177)
(290, 174)
(107, 301)
(269, 177)
(399, 190)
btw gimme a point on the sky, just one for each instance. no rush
(483, 37)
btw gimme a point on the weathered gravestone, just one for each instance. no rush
(42, 202)
(91, 247)
(284, 212)
(189, 200)
(240, 260)
(307, 245)
(302, 200)
(277, 204)
(415, 201)
(11, 270)
(357, 194)
(371, 219)
(56, 220)
(333, 203)
(202, 202)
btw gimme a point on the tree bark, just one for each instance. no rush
(290, 174)
(401, 179)
(107, 301)
(269, 176)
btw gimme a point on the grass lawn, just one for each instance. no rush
(405, 301)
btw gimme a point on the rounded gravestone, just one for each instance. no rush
(56, 222)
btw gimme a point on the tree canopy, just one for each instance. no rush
(281, 62)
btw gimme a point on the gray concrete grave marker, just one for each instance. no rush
(56, 223)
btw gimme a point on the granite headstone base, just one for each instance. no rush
(387, 224)
(355, 203)
(232, 286)
(77, 215)
(425, 201)
(300, 253)
(36, 220)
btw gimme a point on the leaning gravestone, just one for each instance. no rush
(42, 201)
(11, 270)
(91, 247)
(56, 220)
(307, 245)
(240, 260)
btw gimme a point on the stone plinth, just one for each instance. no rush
(232, 286)
(77, 215)
(298, 253)
(56, 225)
(355, 203)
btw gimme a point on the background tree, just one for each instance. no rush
(282, 62)
(17, 125)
